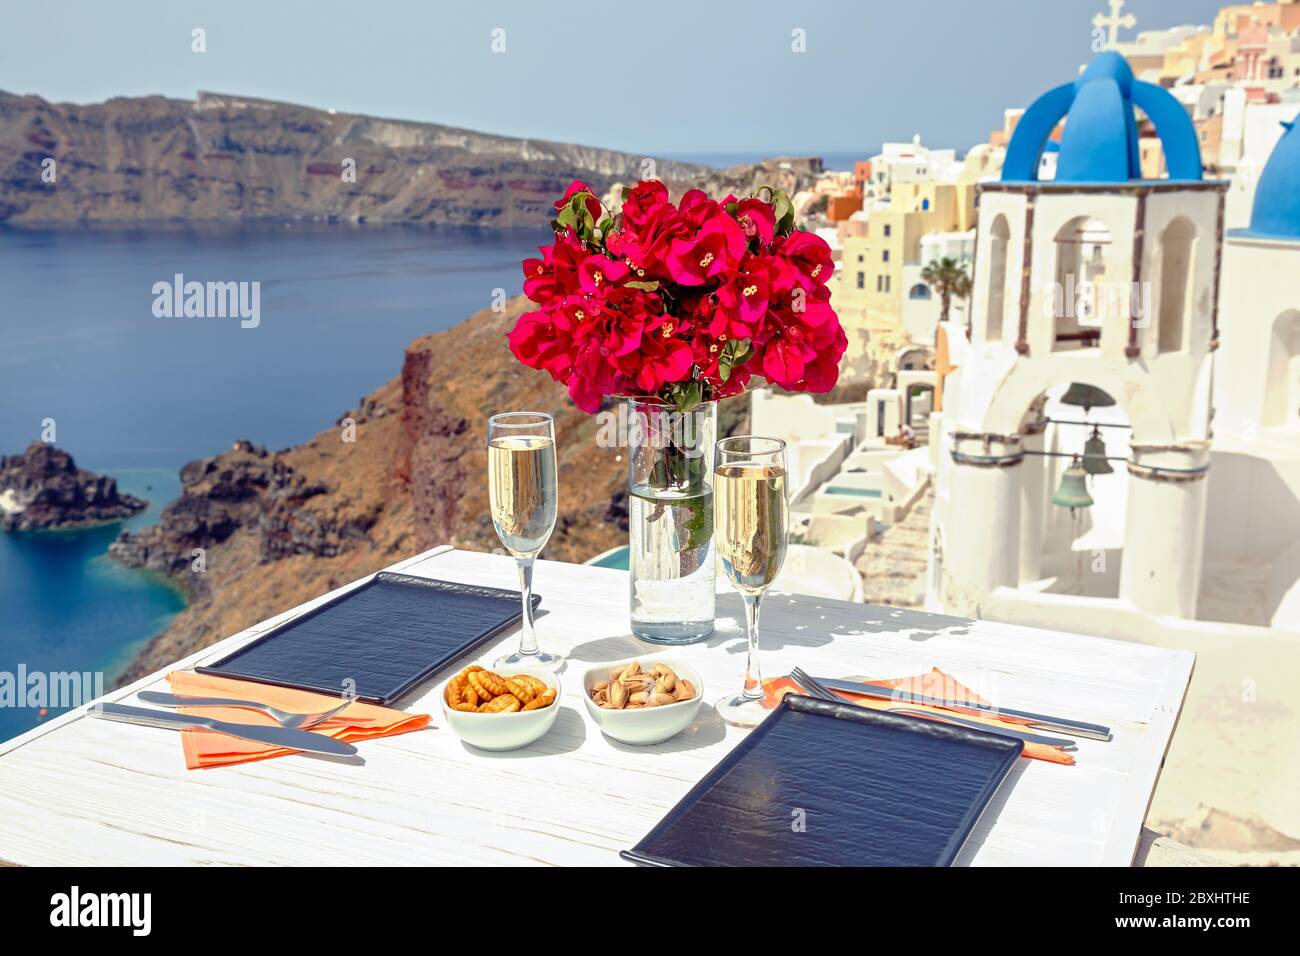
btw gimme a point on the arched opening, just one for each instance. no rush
(919, 291)
(1177, 252)
(1073, 551)
(1282, 390)
(999, 238)
(1082, 249)
(914, 358)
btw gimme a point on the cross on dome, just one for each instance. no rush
(1113, 23)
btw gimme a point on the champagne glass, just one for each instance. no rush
(523, 496)
(751, 516)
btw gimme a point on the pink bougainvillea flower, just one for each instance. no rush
(642, 200)
(742, 303)
(814, 314)
(540, 284)
(810, 256)
(661, 358)
(714, 251)
(591, 202)
(696, 207)
(597, 273)
(830, 343)
(785, 356)
(757, 219)
(544, 340)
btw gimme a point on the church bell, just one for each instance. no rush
(1094, 455)
(1086, 397)
(1073, 492)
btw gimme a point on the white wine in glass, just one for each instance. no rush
(524, 498)
(751, 521)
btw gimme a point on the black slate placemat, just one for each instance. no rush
(378, 640)
(832, 784)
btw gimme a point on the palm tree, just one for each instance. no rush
(948, 278)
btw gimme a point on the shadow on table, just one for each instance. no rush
(566, 735)
(613, 648)
(707, 729)
(356, 760)
(991, 814)
(789, 620)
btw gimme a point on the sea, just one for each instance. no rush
(837, 160)
(93, 354)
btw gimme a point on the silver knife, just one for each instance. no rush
(1008, 730)
(1075, 728)
(275, 736)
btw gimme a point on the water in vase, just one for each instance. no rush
(671, 563)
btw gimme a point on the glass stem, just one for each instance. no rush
(753, 676)
(528, 638)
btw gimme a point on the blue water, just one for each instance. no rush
(617, 558)
(855, 492)
(137, 396)
(839, 160)
(79, 342)
(68, 607)
(842, 160)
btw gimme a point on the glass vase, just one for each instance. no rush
(670, 520)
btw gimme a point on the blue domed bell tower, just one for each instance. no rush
(1100, 277)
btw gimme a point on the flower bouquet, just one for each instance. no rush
(672, 307)
(683, 302)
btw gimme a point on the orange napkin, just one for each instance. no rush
(935, 684)
(360, 721)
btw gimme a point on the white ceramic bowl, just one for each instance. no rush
(644, 725)
(503, 731)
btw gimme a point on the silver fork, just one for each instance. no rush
(284, 718)
(817, 689)
(814, 687)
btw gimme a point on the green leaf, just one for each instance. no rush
(686, 395)
(784, 212)
(734, 353)
(643, 286)
(576, 214)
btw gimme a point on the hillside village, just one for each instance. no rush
(1081, 344)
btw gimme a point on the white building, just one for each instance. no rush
(1250, 133)
(921, 307)
(909, 163)
(1205, 557)
(1255, 518)
(1102, 279)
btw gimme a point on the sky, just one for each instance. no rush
(668, 77)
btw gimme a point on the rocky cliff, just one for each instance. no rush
(224, 157)
(43, 488)
(255, 532)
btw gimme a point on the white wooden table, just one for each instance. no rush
(86, 791)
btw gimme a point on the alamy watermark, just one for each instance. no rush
(1094, 301)
(666, 427)
(76, 908)
(208, 300)
(41, 690)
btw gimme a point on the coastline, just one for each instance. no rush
(70, 608)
